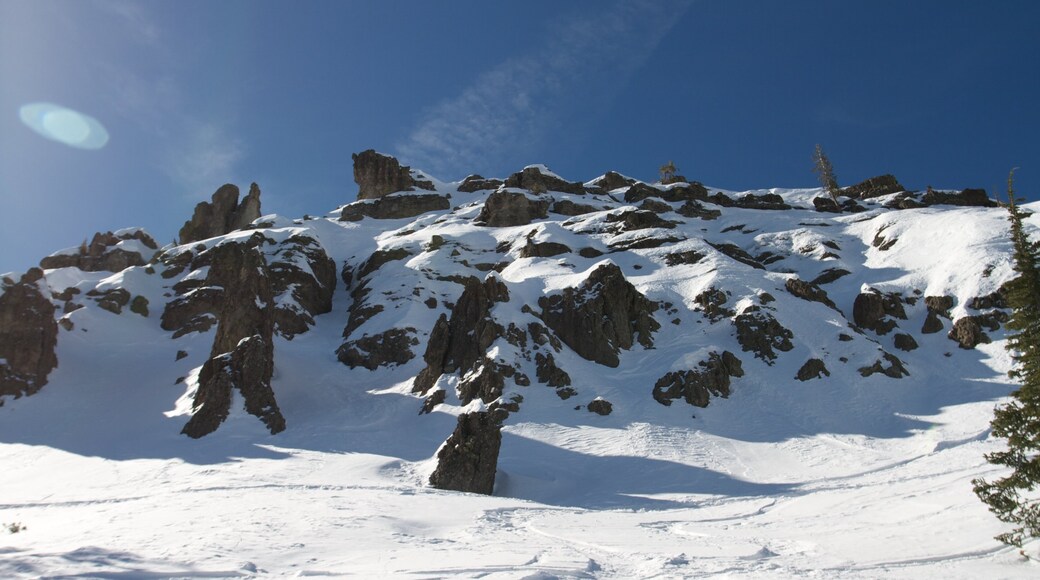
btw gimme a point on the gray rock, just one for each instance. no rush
(760, 333)
(101, 255)
(874, 187)
(28, 337)
(812, 369)
(507, 208)
(394, 207)
(378, 175)
(968, 333)
(468, 460)
(697, 386)
(221, 215)
(600, 407)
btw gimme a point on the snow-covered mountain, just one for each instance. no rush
(643, 380)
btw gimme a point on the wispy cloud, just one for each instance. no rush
(205, 158)
(510, 108)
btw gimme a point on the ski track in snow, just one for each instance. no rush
(844, 478)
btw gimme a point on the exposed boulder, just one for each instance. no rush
(378, 175)
(459, 343)
(602, 316)
(508, 208)
(532, 179)
(874, 187)
(905, 342)
(968, 333)
(568, 207)
(737, 253)
(600, 407)
(938, 306)
(968, 197)
(468, 460)
(808, 291)
(830, 275)
(996, 299)
(112, 300)
(712, 301)
(894, 370)
(684, 192)
(392, 347)
(221, 215)
(812, 369)
(543, 250)
(548, 373)
(872, 310)
(760, 333)
(392, 207)
(474, 183)
(692, 209)
(698, 386)
(242, 356)
(107, 252)
(28, 336)
(639, 219)
(687, 257)
(612, 180)
(826, 204)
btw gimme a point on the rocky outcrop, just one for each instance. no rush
(460, 343)
(812, 369)
(697, 386)
(602, 316)
(601, 407)
(106, 252)
(872, 310)
(568, 207)
(938, 306)
(532, 179)
(378, 175)
(392, 347)
(508, 208)
(221, 215)
(685, 192)
(905, 342)
(474, 183)
(874, 187)
(967, 197)
(760, 333)
(737, 253)
(28, 336)
(242, 356)
(612, 180)
(894, 368)
(967, 332)
(393, 207)
(808, 291)
(548, 373)
(632, 220)
(692, 209)
(543, 249)
(301, 275)
(468, 460)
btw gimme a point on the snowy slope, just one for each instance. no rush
(841, 476)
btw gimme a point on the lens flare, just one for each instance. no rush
(64, 125)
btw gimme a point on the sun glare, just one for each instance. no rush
(64, 125)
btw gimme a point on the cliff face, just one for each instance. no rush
(528, 298)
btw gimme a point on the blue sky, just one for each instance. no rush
(195, 94)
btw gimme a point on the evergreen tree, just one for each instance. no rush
(1012, 498)
(822, 167)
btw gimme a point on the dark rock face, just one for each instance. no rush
(474, 183)
(600, 407)
(392, 347)
(377, 175)
(687, 192)
(531, 178)
(996, 299)
(298, 269)
(812, 369)
(938, 306)
(871, 310)
(698, 386)
(111, 300)
(737, 253)
(894, 370)
(826, 204)
(874, 187)
(394, 207)
(459, 344)
(222, 215)
(468, 460)
(602, 316)
(568, 207)
(102, 255)
(548, 373)
(968, 198)
(242, 356)
(905, 342)
(692, 209)
(808, 291)
(506, 208)
(639, 219)
(687, 257)
(612, 180)
(760, 333)
(28, 337)
(543, 250)
(968, 333)
(830, 275)
(712, 301)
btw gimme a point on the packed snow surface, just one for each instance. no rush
(845, 477)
